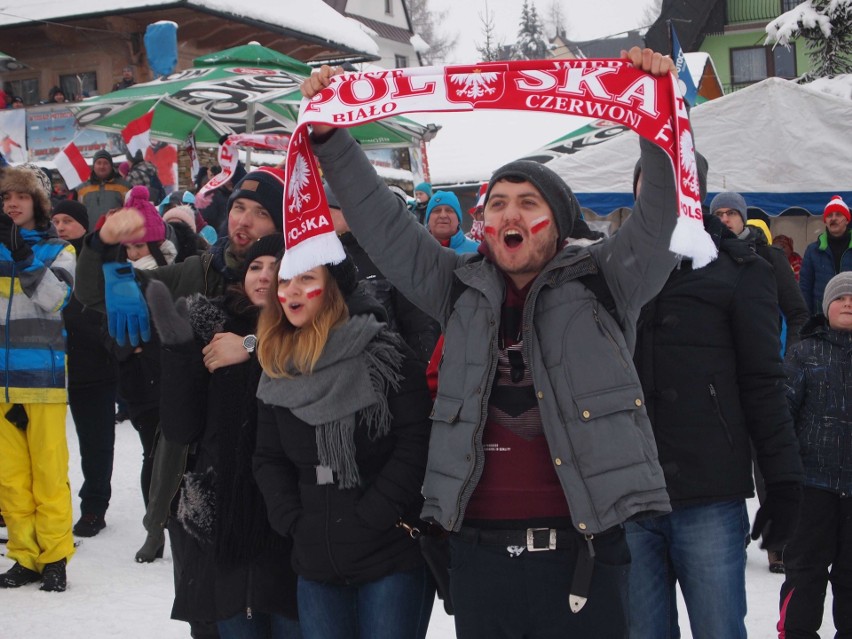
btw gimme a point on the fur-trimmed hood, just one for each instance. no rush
(23, 180)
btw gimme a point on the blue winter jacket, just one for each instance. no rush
(818, 268)
(819, 392)
(461, 244)
(33, 293)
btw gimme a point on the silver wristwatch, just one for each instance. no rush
(250, 343)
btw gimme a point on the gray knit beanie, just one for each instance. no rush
(558, 195)
(730, 200)
(838, 286)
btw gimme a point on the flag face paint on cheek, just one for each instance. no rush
(539, 224)
(490, 230)
(282, 299)
(312, 293)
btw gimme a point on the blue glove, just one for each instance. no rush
(127, 312)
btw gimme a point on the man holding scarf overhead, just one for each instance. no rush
(541, 447)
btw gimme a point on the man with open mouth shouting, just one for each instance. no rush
(540, 439)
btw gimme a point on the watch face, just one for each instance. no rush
(250, 342)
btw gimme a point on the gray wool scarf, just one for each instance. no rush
(349, 384)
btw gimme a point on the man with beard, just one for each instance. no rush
(540, 440)
(829, 255)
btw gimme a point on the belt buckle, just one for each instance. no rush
(551, 541)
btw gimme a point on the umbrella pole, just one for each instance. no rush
(249, 129)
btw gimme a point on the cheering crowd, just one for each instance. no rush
(550, 429)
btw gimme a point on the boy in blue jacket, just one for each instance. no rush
(36, 278)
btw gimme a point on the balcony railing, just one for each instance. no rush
(745, 11)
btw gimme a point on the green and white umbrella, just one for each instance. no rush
(223, 93)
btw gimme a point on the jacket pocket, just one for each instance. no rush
(446, 409)
(714, 397)
(607, 402)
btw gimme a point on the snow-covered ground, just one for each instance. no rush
(109, 595)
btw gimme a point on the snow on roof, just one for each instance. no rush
(313, 17)
(419, 44)
(695, 62)
(840, 85)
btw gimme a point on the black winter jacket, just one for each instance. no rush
(418, 330)
(91, 360)
(790, 299)
(708, 356)
(348, 536)
(239, 564)
(819, 390)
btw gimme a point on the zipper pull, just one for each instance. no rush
(248, 613)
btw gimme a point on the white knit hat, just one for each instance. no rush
(183, 213)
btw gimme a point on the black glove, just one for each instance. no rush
(777, 518)
(10, 236)
(170, 318)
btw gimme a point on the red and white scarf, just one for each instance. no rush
(611, 89)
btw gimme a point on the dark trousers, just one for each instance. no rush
(93, 410)
(821, 551)
(146, 425)
(500, 594)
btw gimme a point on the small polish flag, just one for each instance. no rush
(137, 133)
(72, 166)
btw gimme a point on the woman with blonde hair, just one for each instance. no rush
(342, 438)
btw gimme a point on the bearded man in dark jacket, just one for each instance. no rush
(708, 357)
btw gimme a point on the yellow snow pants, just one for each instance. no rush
(35, 495)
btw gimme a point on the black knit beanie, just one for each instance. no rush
(272, 244)
(266, 187)
(102, 154)
(73, 209)
(553, 189)
(345, 274)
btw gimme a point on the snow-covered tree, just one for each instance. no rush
(425, 23)
(826, 27)
(531, 44)
(489, 50)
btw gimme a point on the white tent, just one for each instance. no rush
(781, 145)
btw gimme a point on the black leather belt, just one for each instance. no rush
(541, 539)
(531, 539)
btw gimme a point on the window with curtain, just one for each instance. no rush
(748, 65)
(754, 64)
